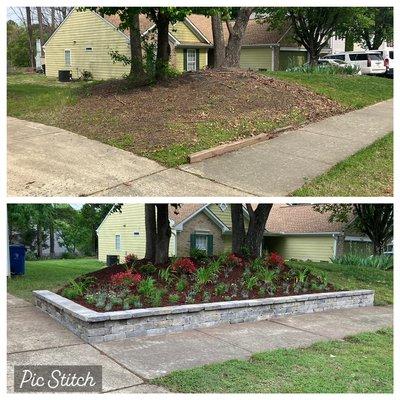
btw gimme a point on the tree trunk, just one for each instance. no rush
(94, 241)
(52, 241)
(376, 221)
(136, 48)
(218, 39)
(30, 37)
(349, 42)
(39, 248)
(151, 231)
(255, 232)
(238, 231)
(236, 33)
(40, 21)
(163, 49)
(53, 19)
(163, 234)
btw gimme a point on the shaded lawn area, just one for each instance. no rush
(359, 364)
(49, 275)
(369, 172)
(352, 91)
(352, 277)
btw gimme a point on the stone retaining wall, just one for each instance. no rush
(95, 327)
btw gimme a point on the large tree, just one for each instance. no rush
(129, 17)
(31, 40)
(236, 33)
(373, 220)
(369, 26)
(158, 232)
(312, 27)
(251, 240)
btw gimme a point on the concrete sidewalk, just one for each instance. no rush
(48, 161)
(34, 338)
(280, 166)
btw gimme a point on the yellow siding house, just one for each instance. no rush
(294, 231)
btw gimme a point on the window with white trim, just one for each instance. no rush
(201, 242)
(136, 233)
(67, 57)
(191, 60)
(117, 242)
(89, 49)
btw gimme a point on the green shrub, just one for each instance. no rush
(328, 69)
(181, 285)
(70, 293)
(173, 298)
(221, 289)
(148, 269)
(204, 275)
(266, 275)
(165, 274)
(77, 288)
(146, 286)
(250, 282)
(198, 255)
(155, 297)
(382, 261)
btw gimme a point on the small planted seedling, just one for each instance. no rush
(174, 298)
(181, 285)
(221, 289)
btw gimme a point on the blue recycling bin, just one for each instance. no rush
(17, 259)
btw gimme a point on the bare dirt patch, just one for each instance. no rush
(192, 112)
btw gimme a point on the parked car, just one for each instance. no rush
(370, 62)
(337, 63)
(388, 60)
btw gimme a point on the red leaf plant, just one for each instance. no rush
(184, 264)
(234, 261)
(126, 278)
(275, 260)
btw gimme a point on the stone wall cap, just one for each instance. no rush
(88, 315)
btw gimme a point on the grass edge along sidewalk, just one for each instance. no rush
(362, 363)
(369, 172)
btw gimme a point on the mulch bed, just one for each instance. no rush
(146, 119)
(286, 279)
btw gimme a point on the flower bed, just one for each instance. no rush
(191, 280)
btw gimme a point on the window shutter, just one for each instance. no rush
(210, 245)
(185, 59)
(197, 59)
(192, 241)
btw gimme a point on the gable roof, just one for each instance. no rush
(187, 215)
(300, 218)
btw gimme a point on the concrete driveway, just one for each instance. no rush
(48, 161)
(34, 338)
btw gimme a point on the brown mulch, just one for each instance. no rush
(148, 118)
(102, 280)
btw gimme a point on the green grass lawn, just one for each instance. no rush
(49, 275)
(354, 277)
(359, 364)
(369, 172)
(32, 96)
(353, 91)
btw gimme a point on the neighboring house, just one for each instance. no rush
(295, 231)
(59, 248)
(84, 40)
(338, 45)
